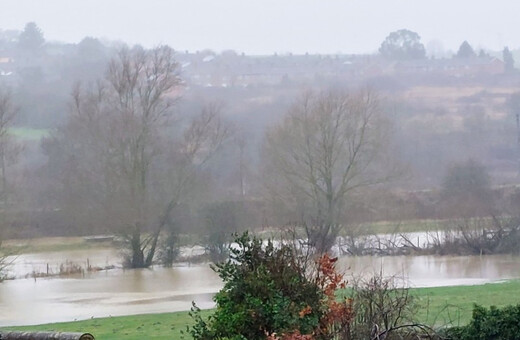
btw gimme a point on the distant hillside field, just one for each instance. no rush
(29, 134)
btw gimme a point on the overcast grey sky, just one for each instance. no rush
(267, 26)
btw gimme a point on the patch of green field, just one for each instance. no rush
(411, 226)
(453, 305)
(56, 244)
(29, 134)
(133, 327)
(370, 228)
(441, 306)
(50, 244)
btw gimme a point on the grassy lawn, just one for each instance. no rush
(440, 305)
(134, 327)
(436, 306)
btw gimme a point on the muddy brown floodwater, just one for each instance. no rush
(121, 292)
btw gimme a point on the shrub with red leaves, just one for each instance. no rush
(268, 295)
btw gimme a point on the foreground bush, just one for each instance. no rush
(268, 294)
(384, 310)
(493, 323)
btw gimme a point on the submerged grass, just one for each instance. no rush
(440, 306)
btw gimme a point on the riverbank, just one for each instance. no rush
(51, 244)
(438, 306)
(56, 244)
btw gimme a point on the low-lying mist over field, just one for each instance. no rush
(96, 128)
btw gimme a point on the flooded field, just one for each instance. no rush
(121, 292)
(107, 293)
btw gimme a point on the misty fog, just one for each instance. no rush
(144, 142)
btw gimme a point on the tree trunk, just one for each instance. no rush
(153, 248)
(137, 253)
(4, 178)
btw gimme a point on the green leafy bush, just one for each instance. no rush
(493, 323)
(271, 293)
(266, 291)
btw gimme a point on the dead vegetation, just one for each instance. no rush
(472, 236)
(67, 268)
(480, 236)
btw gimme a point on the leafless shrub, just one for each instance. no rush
(169, 249)
(394, 243)
(471, 236)
(4, 265)
(384, 310)
(70, 268)
(306, 255)
(477, 236)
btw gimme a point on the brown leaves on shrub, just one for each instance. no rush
(336, 315)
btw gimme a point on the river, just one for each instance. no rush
(121, 292)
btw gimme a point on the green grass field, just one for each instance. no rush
(29, 134)
(435, 306)
(50, 244)
(439, 306)
(134, 327)
(411, 226)
(371, 228)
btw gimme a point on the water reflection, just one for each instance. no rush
(434, 271)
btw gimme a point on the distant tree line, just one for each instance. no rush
(132, 148)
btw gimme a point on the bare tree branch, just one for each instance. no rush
(328, 146)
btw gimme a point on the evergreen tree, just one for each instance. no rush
(509, 62)
(466, 51)
(31, 38)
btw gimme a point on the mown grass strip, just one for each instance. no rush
(132, 327)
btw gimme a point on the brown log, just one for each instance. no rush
(45, 336)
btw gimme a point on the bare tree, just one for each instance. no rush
(466, 191)
(8, 148)
(328, 146)
(241, 143)
(122, 141)
(185, 158)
